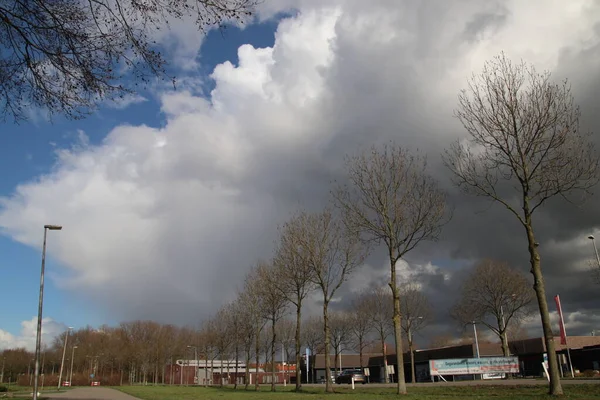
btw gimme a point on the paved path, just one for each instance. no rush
(91, 393)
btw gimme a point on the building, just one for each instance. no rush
(584, 350)
(207, 372)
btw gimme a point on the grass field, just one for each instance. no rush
(372, 393)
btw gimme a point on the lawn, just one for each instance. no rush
(370, 393)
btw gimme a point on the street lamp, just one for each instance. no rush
(38, 339)
(71, 374)
(196, 369)
(62, 363)
(591, 237)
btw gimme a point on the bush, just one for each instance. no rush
(589, 373)
(3, 389)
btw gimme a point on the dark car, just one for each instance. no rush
(347, 375)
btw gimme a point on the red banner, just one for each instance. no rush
(561, 322)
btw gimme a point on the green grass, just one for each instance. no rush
(369, 393)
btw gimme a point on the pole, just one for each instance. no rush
(307, 364)
(197, 365)
(476, 341)
(71, 374)
(63, 357)
(595, 250)
(38, 337)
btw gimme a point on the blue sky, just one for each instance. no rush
(167, 203)
(27, 150)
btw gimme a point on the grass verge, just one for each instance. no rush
(588, 391)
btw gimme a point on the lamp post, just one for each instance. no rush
(71, 373)
(62, 363)
(38, 338)
(197, 366)
(591, 237)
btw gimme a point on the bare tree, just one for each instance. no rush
(253, 292)
(67, 56)
(333, 252)
(495, 295)
(391, 199)
(296, 278)
(416, 313)
(208, 335)
(286, 336)
(250, 323)
(273, 305)
(524, 148)
(341, 335)
(379, 301)
(312, 337)
(361, 327)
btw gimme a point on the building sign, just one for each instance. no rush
(465, 366)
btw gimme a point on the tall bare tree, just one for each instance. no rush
(495, 295)
(524, 148)
(312, 337)
(253, 291)
(296, 278)
(273, 305)
(250, 323)
(67, 56)
(286, 336)
(333, 252)
(341, 335)
(416, 313)
(361, 327)
(379, 301)
(392, 200)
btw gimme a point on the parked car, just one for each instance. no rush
(347, 375)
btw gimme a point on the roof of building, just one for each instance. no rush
(348, 360)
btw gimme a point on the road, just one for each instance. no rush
(91, 393)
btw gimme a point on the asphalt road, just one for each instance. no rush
(92, 393)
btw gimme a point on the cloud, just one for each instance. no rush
(26, 338)
(126, 101)
(163, 222)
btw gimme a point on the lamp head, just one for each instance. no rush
(53, 227)
(591, 237)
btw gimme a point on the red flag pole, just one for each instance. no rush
(563, 332)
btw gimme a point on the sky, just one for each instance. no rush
(170, 196)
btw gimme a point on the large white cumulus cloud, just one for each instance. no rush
(161, 221)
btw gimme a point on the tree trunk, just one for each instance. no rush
(237, 355)
(505, 348)
(273, 339)
(328, 385)
(247, 374)
(412, 361)
(385, 364)
(360, 352)
(298, 348)
(221, 370)
(401, 387)
(256, 384)
(540, 291)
